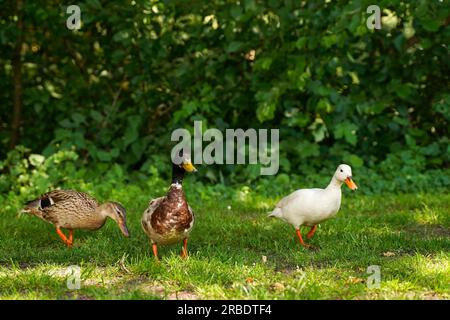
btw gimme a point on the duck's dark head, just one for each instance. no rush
(181, 165)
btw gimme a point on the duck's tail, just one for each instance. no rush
(276, 213)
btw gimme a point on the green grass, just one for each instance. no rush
(236, 252)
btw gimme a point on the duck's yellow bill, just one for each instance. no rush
(349, 182)
(189, 167)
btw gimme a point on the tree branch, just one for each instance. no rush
(17, 78)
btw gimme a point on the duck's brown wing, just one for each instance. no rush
(50, 198)
(147, 216)
(192, 214)
(58, 205)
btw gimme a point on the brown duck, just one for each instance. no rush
(71, 210)
(170, 219)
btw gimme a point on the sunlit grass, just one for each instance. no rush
(236, 252)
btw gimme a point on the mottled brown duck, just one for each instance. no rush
(170, 219)
(71, 210)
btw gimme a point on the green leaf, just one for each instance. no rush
(94, 4)
(301, 43)
(132, 131)
(263, 63)
(267, 104)
(97, 116)
(236, 12)
(355, 161)
(103, 156)
(234, 46)
(78, 118)
(431, 25)
(324, 105)
(347, 131)
(36, 159)
(329, 41)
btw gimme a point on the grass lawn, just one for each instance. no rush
(236, 252)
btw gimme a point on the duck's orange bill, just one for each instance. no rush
(349, 182)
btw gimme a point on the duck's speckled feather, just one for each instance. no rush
(67, 209)
(168, 219)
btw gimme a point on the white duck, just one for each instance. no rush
(309, 207)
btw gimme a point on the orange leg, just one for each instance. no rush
(71, 237)
(63, 237)
(299, 235)
(184, 249)
(155, 251)
(311, 232)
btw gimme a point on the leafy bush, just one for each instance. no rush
(339, 92)
(26, 175)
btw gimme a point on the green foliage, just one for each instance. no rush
(338, 91)
(33, 174)
(26, 175)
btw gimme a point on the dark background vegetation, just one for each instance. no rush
(104, 99)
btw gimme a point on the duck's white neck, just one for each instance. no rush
(176, 185)
(334, 184)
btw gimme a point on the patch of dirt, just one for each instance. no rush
(388, 254)
(21, 265)
(134, 282)
(101, 282)
(277, 287)
(433, 296)
(182, 295)
(286, 271)
(353, 280)
(161, 291)
(73, 296)
(429, 230)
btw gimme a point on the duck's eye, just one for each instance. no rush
(342, 170)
